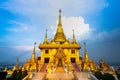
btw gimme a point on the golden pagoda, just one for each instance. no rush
(16, 66)
(31, 64)
(59, 55)
(59, 51)
(87, 63)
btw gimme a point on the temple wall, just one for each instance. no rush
(67, 52)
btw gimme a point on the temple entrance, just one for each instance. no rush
(59, 57)
(46, 60)
(73, 60)
(60, 67)
(59, 62)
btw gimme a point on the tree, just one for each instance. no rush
(3, 75)
(118, 75)
(14, 73)
(10, 78)
(98, 74)
(24, 73)
(19, 75)
(108, 76)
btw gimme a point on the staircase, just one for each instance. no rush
(39, 76)
(59, 69)
(76, 67)
(43, 68)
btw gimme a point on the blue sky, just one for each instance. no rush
(22, 22)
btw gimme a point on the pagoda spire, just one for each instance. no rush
(86, 57)
(59, 36)
(17, 63)
(60, 21)
(60, 29)
(45, 39)
(85, 47)
(33, 53)
(74, 40)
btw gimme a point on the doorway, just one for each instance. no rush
(73, 60)
(59, 62)
(46, 60)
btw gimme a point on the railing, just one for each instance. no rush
(76, 67)
(43, 68)
(92, 77)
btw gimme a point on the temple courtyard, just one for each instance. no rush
(61, 76)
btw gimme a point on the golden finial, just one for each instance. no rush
(85, 46)
(74, 40)
(85, 43)
(46, 34)
(34, 43)
(34, 47)
(59, 11)
(45, 39)
(59, 22)
(17, 62)
(73, 34)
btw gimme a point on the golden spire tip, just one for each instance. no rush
(34, 43)
(59, 10)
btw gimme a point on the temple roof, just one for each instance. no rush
(50, 46)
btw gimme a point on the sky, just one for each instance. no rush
(23, 22)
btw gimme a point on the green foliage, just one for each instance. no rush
(98, 74)
(14, 75)
(24, 73)
(108, 76)
(3, 75)
(118, 75)
(17, 75)
(10, 78)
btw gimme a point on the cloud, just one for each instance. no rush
(106, 43)
(20, 52)
(36, 9)
(99, 36)
(25, 48)
(19, 26)
(82, 30)
(43, 13)
(36, 6)
(105, 36)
